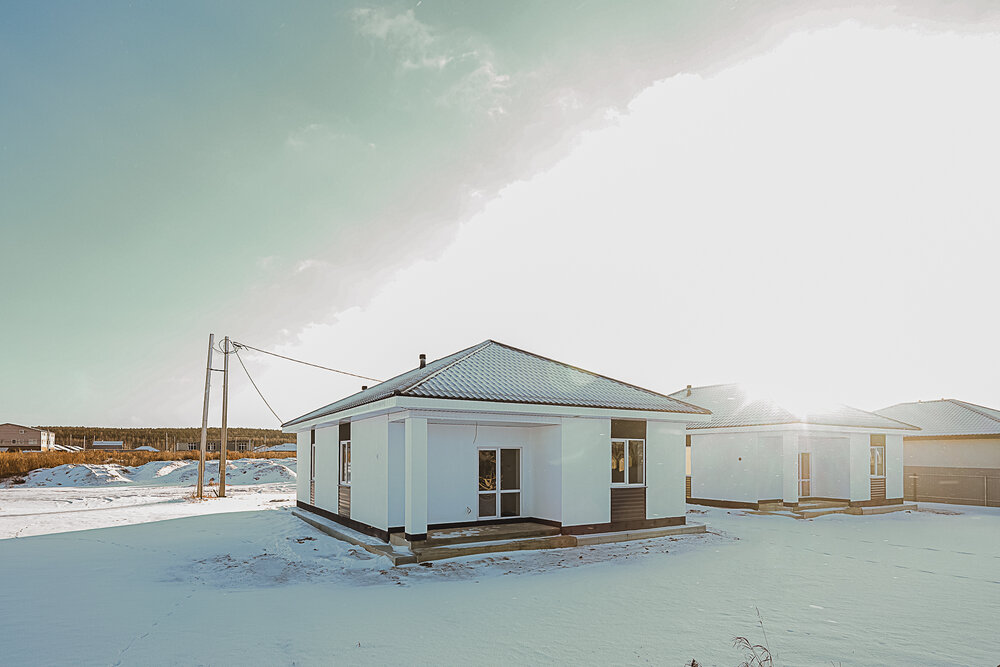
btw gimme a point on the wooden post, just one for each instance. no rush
(204, 419)
(225, 409)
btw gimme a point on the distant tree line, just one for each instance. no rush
(162, 438)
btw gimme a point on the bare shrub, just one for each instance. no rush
(755, 655)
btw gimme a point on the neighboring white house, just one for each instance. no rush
(17, 437)
(955, 458)
(494, 434)
(755, 451)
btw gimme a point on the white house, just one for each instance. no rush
(495, 434)
(754, 451)
(955, 457)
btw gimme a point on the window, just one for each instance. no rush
(345, 462)
(628, 462)
(877, 464)
(504, 478)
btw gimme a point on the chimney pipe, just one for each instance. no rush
(363, 387)
(688, 390)
(423, 360)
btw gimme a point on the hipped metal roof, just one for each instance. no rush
(947, 416)
(492, 371)
(732, 407)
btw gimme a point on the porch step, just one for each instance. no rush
(883, 509)
(812, 513)
(428, 551)
(475, 534)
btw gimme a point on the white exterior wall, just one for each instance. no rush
(665, 470)
(860, 465)
(723, 466)
(544, 459)
(302, 466)
(952, 453)
(453, 468)
(370, 471)
(893, 466)
(830, 465)
(586, 471)
(327, 462)
(769, 481)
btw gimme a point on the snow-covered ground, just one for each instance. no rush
(84, 496)
(261, 587)
(160, 473)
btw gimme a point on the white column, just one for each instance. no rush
(415, 521)
(790, 467)
(859, 467)
(665, 470)
(893, 466)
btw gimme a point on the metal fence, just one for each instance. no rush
(962, 488)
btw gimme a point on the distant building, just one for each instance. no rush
(107, 444)
(955, 458)
(18, 438)
(232, 444)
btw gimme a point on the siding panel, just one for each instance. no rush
(628, 504)
(344, 501)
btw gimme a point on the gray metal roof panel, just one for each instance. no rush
(947, 416)
(732, 407)
(492, 371)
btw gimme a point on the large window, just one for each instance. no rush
(345, 462)
(499, 485)
(628, 462)
(877, 465)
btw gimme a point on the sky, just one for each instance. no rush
(797, 196)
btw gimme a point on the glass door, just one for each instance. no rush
(805, 475)
(499, 483)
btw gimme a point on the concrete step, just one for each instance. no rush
(426, 553)
(821, 511)
(482, 533)
(883, 509)
(642, 534)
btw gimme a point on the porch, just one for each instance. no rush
(810, 508)
(443, 543)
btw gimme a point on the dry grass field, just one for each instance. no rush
(16, 464)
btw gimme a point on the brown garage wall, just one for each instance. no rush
(963, 486)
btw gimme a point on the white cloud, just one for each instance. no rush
(418, 46)
(821, 217)
(309, 264)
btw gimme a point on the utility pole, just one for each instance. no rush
(204, 419)
(225, 408)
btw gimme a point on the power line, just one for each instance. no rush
(236, 349)
(298, 361)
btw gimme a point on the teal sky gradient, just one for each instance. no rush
(173, 168)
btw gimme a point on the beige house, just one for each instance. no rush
(17, 437)
(955, 457)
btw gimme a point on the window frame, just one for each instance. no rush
(499, 482)
(876, 455)
(876, 452)
(611, 461)
(342, 471)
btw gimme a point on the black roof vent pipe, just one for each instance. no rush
(363, 387)
(423, 360)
